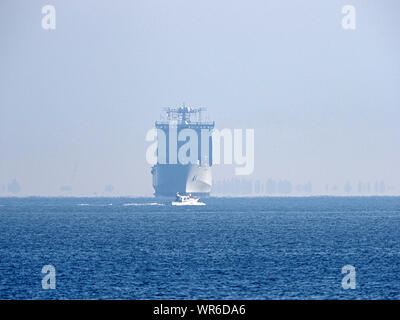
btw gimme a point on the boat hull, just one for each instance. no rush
(185, 179)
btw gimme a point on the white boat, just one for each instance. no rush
(186, 201)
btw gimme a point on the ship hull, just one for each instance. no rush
(169, 179)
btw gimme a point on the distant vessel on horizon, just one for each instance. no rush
(187, 201)
(170, 177)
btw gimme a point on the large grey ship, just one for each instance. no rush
(169, 174)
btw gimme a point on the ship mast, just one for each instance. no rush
(185, 115)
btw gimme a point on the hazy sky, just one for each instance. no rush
(77, 101)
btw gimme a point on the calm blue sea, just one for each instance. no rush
(232, 248)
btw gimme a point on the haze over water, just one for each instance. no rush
(76, 102)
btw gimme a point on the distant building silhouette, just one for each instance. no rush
(109, 188)
(382, 187)
(270, 186)
(233, 186)
(347, 187)
(307, 188)
(284, 187)
(14, 187)
(376, 187)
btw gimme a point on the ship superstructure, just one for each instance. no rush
(184, 157)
